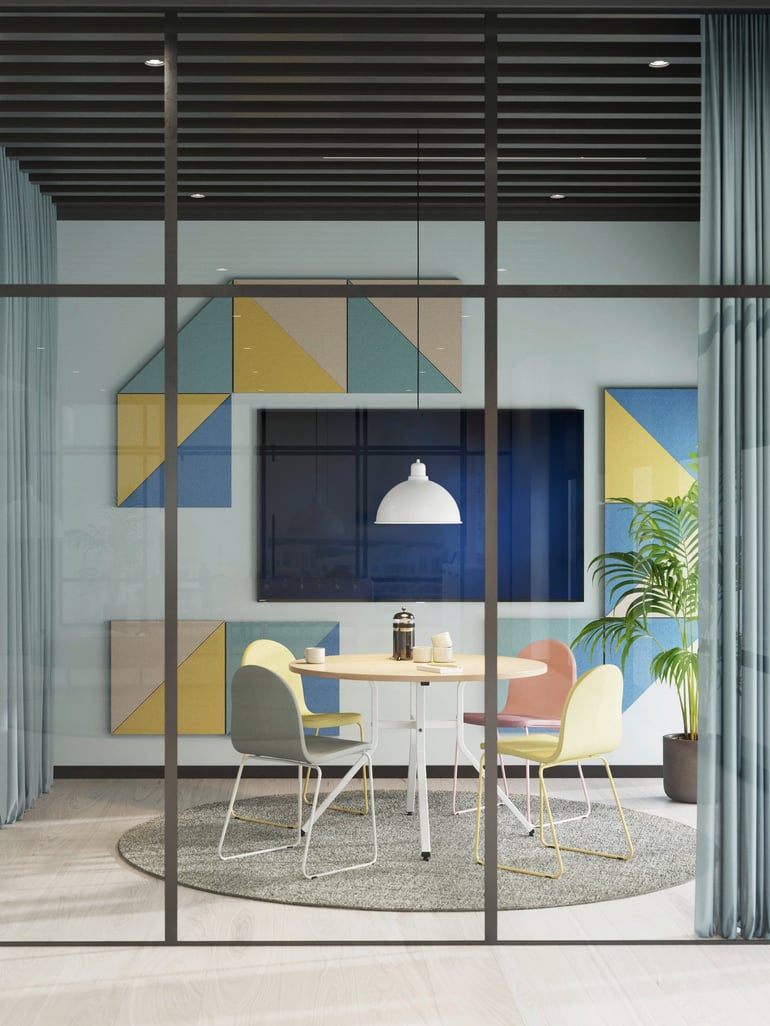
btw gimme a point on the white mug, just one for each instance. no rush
(315, 655)
(422, 653)
(442, 653)
(443, 640)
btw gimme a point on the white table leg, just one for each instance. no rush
(474, 761)
(411, 778)
(422, 770)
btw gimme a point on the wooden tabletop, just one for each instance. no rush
(382, 667)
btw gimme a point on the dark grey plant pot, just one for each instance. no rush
(680, 768)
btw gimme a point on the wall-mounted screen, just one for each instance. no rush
(322, 474)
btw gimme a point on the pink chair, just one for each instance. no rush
(531, 702)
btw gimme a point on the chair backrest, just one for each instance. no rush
(276, 657)
(543, 697)
(266, 718)
(592, 721)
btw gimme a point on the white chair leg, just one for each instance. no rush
(454, 780)
(365, 760)
(229, 816)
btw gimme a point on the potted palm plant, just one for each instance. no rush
(657, 578)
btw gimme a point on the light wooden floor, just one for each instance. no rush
(62, 882)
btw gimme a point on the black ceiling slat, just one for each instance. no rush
(316, 114)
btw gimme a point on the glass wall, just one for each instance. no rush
(323, 343)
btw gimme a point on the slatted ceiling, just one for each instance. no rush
(312, 115)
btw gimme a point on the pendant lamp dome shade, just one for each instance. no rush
(418, 500)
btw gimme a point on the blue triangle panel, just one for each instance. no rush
(670, 415)
(205, 478)
(324, 695)
(636, 675)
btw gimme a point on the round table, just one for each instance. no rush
(379, 669)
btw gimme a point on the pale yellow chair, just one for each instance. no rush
(591, 728)
(277, 657)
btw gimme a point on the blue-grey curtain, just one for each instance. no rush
(733, 862)
(27, 396)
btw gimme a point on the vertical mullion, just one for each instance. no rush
(170, 547)
(490, 474)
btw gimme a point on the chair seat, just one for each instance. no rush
(534, 747)
(326, 749)
(318, 721)
(507, 720)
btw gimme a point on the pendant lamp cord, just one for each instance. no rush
(418, 269)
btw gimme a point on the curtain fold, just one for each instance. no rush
(27, 413)
(733, 855)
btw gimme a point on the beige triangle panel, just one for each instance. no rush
(266, 358)
(440, 323)
(636, 465)
(137, 657)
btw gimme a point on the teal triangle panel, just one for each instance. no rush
(431, 378)
(149, 380)
(205, 355)
(206, 349)
(382, 359)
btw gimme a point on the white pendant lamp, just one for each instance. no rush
(418, 500)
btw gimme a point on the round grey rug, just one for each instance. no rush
(401, 880)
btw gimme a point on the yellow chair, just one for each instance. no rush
(591, 727)
(277, 657)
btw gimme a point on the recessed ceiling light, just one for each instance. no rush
(197, 195)
(658, 64)
(155, 62)
(557, 195)
(221, 268)
(501, 270)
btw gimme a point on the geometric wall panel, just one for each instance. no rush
(646, 459)
(381, 358)
(650, 436)
(277, 345)
(137, 689)
(203, 450)
(268, 358)
(209, 654)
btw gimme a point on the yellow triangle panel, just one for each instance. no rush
(636, 466)
(140, 440)
(201, 685)
(267, 359)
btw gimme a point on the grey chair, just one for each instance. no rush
(267, 725)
